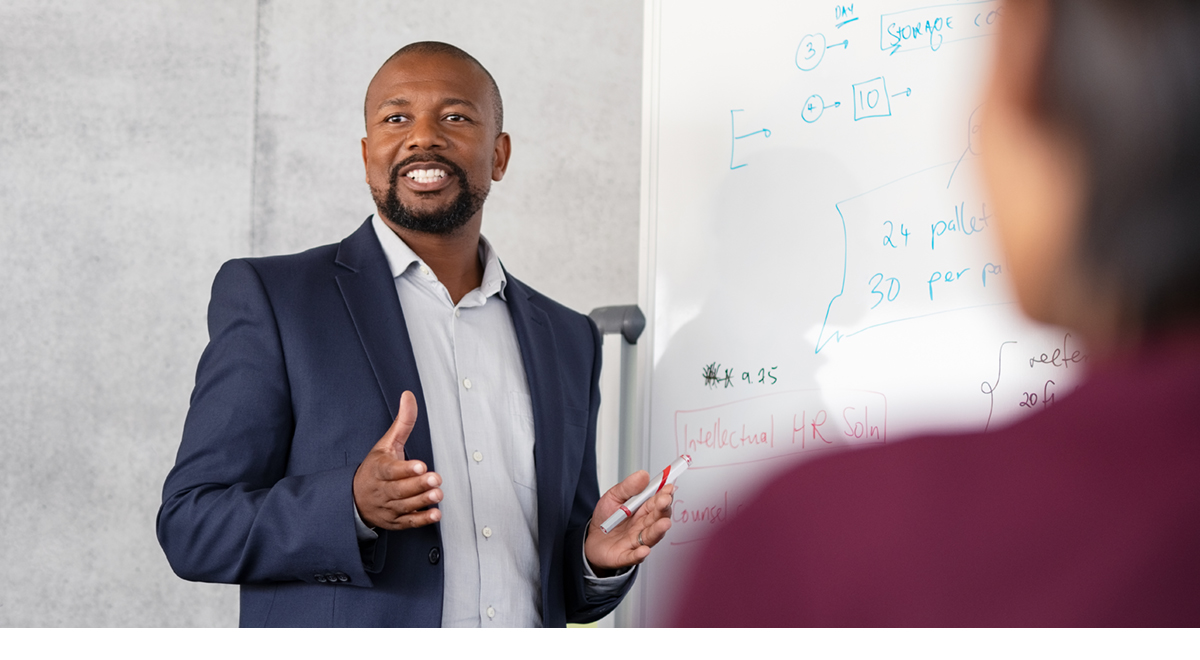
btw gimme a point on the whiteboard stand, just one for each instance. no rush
(618, 446)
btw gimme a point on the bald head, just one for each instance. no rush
(438, 48)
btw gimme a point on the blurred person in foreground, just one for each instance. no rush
(1087, 514)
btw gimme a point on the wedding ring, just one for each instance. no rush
(640, 541)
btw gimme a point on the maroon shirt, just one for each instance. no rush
(1087, 514)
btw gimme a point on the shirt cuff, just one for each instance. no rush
(361, 530)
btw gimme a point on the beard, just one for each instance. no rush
(440, 221)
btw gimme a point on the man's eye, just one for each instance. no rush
(396, 119)
(455, 118)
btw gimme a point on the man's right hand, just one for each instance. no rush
(391, 492)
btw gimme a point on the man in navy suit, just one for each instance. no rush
(289, 480)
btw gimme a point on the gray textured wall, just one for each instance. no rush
(143, 143)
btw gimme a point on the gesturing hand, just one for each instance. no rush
(629, 543)
(391, 492)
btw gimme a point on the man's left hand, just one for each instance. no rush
(629, 543)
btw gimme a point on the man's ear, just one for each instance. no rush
(366, 176)
(500, 156)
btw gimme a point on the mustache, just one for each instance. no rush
(427, 158)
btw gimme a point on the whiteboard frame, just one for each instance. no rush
(634, 609)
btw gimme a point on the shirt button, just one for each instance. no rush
(487, 532)
(457, 313)
(467, 383)
(491, 612)
(478, 456)
(424, 269)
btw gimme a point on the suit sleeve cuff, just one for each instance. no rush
(601, 587)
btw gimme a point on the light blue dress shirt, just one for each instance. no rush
(481, 423)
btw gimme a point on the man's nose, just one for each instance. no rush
(426, 133)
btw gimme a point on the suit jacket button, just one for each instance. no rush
(320, 578)
(342, 577)
(435, 555)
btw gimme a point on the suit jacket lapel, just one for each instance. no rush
(370, 293)
(538, 351)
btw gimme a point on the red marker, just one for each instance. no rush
(667, 476)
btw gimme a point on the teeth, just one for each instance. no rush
(426, 176)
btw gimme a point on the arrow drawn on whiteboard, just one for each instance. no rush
(761, 130)
(845, 43)
(815, 106)
(907, 92)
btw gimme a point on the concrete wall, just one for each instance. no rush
(143, 143)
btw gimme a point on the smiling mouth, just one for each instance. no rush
(432, 175)
(439, 197)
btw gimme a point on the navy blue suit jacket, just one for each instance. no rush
(307, 357)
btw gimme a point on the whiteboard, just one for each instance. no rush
(820, 267)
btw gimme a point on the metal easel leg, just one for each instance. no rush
(628, 322)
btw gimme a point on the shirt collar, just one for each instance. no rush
(400, 258)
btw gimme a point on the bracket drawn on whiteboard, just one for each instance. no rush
(733, 143)
(990, 388)
(972, 144)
